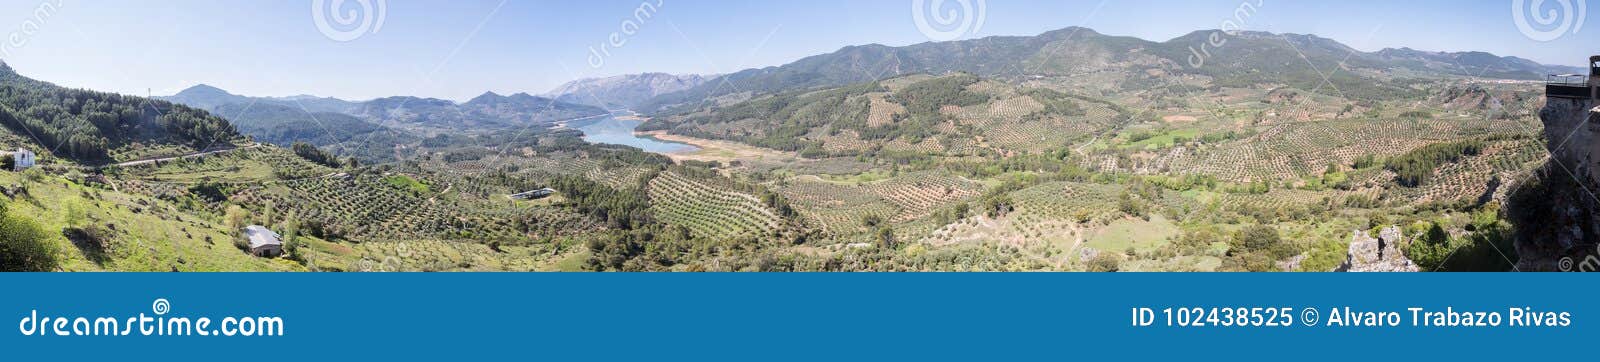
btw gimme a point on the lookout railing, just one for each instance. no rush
(1570, 80)
(1568, 86)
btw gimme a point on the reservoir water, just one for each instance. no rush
(615, 131)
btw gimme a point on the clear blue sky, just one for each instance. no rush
(458, 49)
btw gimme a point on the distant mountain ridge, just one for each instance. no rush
(624, 91)
(487, 110)
(370, 130)
(1248, 58)
(209, 97)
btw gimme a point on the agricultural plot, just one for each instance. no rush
(436, 255)
(369, 208)
(1298, 150)
(708, 208)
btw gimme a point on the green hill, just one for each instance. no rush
(99, 127)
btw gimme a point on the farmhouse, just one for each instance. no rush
(22, 159)
(264, 243)
(535, 194)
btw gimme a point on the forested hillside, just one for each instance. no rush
(96, 127)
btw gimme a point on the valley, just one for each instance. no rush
(1112, 156)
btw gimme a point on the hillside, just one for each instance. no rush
(624, 91)
(952, 115)
(1250, 59)
(97, 127)
(284, 125)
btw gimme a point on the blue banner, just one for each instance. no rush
(745, 317)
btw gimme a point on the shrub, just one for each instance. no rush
(24, 245)
(1105, 262)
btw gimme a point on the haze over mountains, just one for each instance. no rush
(370, 128)
(1246, 59)
(624, 91)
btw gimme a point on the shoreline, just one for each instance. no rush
(663, 136)
(717, 150)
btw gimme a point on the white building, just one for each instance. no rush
(535, 194)
(263, 242)
(23, 159)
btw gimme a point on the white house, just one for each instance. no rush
(264, 243)
(23, 159)
(535, 194)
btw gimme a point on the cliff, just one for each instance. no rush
(1557, 212)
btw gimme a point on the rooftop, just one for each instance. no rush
(260, 236)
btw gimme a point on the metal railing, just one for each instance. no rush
(1570, 80)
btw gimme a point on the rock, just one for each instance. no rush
(1377, 255)
(1557, 214)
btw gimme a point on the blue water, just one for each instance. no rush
(620, 132)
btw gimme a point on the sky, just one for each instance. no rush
(459, 49)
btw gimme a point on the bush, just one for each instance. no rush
(1105, 262)
(24, 245)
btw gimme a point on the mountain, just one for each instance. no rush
(341, 133)
(912, 115)
(624, 91)
(1471, 64)
(209, 97)
(487, 112)
(374, 127)
(99, 127)
(1246, 59)
(206, 97)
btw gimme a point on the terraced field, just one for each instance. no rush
(840, 208)
(368, 208)
(710, 209)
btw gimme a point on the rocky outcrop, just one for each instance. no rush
(1377, 255)
(1557, 213)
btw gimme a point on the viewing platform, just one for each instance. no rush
(1568, 86)
(1576, 86)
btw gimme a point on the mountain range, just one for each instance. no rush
(624, 91)
(1244, 59)
(370, 128)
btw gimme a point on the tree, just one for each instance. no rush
(314, 154)
(1436, 235)
(886, 238)
(1105, 262)
(1257, 238)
